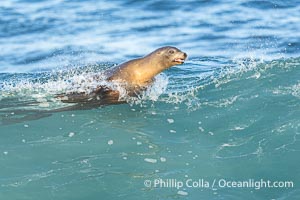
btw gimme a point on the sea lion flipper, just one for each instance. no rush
(100, 96)
(74, 97)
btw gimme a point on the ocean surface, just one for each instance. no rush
(224, 125)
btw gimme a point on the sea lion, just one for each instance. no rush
(134, 75)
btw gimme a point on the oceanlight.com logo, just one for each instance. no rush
(217, 183)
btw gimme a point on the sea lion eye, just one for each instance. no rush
(171, 51)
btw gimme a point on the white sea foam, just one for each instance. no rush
(150, 160)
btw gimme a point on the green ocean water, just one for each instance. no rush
(241, 123)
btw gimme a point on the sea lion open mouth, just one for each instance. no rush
(179, 60)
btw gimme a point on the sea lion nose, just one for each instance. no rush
(185, 55)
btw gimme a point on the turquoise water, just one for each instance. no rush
(230, 113)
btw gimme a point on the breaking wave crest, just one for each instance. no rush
(217, 87)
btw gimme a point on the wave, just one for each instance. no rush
(223, 86)
(191, 85)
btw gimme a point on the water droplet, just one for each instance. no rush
(71, 134)
(170, 121)
(110, 142)
(162, 159)
(180, 192)
(150, 160)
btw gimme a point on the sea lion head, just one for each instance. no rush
(170, 56)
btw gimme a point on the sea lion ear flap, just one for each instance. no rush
(159, 52)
